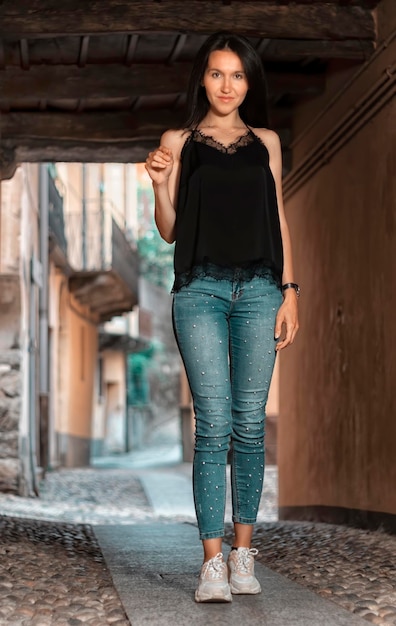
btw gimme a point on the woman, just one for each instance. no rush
(218, 194)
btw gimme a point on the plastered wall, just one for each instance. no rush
(83, 347)
(337, 427)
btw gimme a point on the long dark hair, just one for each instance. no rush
(254, 109)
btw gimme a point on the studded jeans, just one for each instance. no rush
(225, 333)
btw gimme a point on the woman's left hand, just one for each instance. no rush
(287, 316)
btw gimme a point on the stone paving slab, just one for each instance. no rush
(177, 500)
(155, 568)
(169, 492)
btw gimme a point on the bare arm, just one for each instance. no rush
(163, 167)
(288, 313)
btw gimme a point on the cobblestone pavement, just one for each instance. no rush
(111, 496)
(84, 496)
(54, 575)
(52, 572)
(352, 567)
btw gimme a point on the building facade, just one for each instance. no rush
(68, 265)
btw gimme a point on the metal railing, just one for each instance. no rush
(89, 236)
(94, 237)
(56, 215)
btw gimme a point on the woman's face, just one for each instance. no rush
(225, 81)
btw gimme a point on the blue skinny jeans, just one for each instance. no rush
(225, 333)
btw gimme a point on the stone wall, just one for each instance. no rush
(18, 245)
(10, 391)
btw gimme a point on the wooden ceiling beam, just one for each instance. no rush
(83, 54)
(96, 137)
(118, 81)
(41, 150)
(93, 127)
(119, 126)
(24, 54)
(133, 41)
(177, 48)
(2, 54)
(298, 49)
(316, 20)
(93, 81)
(269, 50)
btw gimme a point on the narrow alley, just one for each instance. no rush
(97, 414)
(119, 546)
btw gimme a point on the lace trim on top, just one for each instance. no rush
(241, 142)
(251, 270)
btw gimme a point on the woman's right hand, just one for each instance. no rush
(159, 164)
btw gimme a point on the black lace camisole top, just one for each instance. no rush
(227, 213)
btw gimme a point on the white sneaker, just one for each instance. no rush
(241, 568)
(213, 581)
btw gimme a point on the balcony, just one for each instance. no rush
(105, 267)
(92, 248)
(122, 333)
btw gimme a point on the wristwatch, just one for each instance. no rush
(292, 286)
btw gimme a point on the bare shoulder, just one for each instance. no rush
(269, 138)
(174, 139)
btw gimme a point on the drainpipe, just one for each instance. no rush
(32, 383)
(43, 319)
(102, 218)
(127, 434)
(84, 216)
